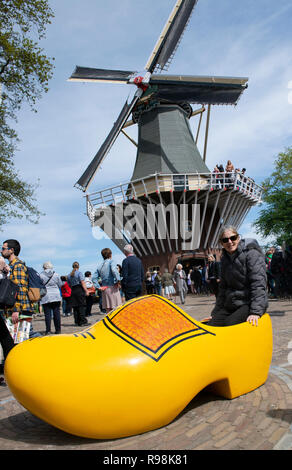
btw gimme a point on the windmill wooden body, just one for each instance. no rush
(173, 203)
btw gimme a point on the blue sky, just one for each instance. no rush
(226, 38)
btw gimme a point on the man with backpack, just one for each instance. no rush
(18, 274)
(22, 310)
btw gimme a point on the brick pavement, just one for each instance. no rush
(259, 420)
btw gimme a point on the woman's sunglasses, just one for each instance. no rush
(233, 238)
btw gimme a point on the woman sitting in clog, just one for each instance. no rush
(242, 292)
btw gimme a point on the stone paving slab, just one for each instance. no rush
(260, 420)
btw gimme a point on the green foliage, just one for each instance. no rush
(16, 196)
(24, 75)
(276, 217)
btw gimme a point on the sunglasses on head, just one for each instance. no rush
(232, 238)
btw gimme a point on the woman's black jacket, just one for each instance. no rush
(243, 279)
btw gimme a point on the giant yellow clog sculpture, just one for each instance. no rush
(135, 370)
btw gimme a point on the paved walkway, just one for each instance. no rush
(258, 420)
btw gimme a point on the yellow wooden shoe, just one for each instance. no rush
(136, 370)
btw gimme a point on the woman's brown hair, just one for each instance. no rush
(106, 253)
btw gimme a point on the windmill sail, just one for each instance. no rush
(199, 89)
(90, 171)
(88, 74)
(171, 34)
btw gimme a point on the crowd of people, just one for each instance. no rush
(110, 285)
(230, 176)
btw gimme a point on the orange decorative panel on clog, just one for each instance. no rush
(152, 324)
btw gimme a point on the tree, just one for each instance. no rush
(24, 75)
(275, 218)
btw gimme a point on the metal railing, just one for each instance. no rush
(159, 183)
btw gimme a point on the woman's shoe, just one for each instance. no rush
(148, 357)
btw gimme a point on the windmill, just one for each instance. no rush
(171, 181)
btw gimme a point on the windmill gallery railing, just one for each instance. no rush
(157, 183)
(223, 198)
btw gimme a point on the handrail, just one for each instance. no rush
(124, 192)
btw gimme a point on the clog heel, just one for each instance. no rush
(137, 368)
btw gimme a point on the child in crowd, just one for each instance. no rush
(66, 294)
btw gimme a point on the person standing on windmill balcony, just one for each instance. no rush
(229, 169)
(132, 274)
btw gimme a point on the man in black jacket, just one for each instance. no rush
(277, 270)
(132, 274)
(213, 274)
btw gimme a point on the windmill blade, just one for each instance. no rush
(85, 180)
(87, 74)
(199, 89)
(171, 34)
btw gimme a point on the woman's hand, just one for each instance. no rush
(253, 319)
(205, 320)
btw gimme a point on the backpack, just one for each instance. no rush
(36, 287)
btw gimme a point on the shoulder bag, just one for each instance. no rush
(8, 293)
